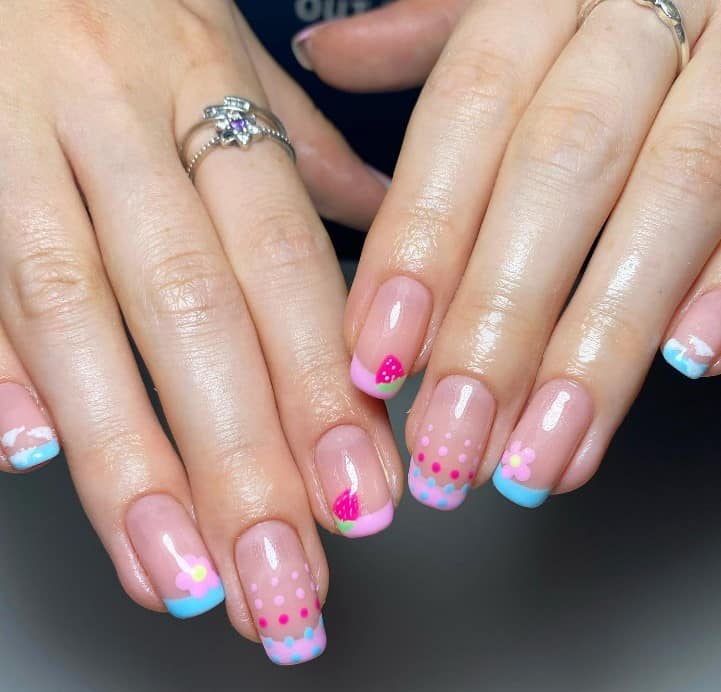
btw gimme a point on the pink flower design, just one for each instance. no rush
(197, 577)
(516, 461)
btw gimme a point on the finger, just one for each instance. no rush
(343, 188)
(661, 234)
(421, 240)
(290, 277)
(61, 316)
(27, 437)
(563, 170)
(392, 47)
(693, 340)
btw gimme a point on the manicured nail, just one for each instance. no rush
(450, 441)
(353, 481)
(543, 443)
(696, 342)
(174, 556)
(281, 593)
(26, 436)
(391, 337)
(299, 45)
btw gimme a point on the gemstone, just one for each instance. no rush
(239, 124)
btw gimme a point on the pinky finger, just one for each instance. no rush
(27, 437)
(693, 341)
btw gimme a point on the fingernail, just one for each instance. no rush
(543, 443)
(385, 180)
(391, 337)
(353, 482)
(450, 441)
(696, 342)
(174, 556)
(26, 436)
(299, 45)
(281, 593)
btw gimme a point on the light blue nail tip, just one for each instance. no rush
(189, 607)
(27, 458)
(675, 355)
(520, 494)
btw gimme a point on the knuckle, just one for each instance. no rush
(687, 160)
(576, 142)
(481, 85)
(189, 287)
(52, 283)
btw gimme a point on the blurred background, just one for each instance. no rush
(611, 589)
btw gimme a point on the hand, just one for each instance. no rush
(529, 138)
(230, 290)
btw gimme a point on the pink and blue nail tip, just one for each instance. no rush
(292, 650)
(677, 356)
(518, 493)
(34, 456)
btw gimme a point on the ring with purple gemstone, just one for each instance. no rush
(237, 122)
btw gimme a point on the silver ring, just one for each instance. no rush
(237, 122)
(667, 12)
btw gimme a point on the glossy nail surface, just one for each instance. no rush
(25, 433)
(450, 441)
(696, 342)
(353, 481)
(543, 443)
(280, 592)
(174, 556)
(391, 337)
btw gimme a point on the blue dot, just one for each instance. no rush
(424, 495)
(316, 651)
(268, 642)
(289, 641)
(295, 658)
(308, 633)
(416, 472)
(466, 487)
(443, 503)
(275, 659)
(449, 488)
(320, 621)
(431, 482)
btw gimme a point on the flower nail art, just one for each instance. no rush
(516, 461)
(197, 576)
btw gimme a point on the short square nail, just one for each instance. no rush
(450, 441)
(174, 556)
(543, 443)
(353, 482)
(696, 342)
(299, 46)
(25, 433)
(391, 337)
(281, 593)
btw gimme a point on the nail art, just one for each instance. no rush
(543, 443)
(452, 437)
(26, 438)
(391, 337)
(353, 481)
(174, 556)
(281, 592)
(696, 343)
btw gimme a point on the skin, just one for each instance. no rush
(230, 290)
(528, 137)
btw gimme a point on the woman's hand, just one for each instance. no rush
(531, 135)
(230, 290)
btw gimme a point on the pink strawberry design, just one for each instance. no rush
(391, 375)
(347, 509)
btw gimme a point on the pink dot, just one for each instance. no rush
(317, 604)
(294, 576)
(304, 612)
(421, 456)
(463, 458)
(443, 451)
(279, 600)
(455, 473)
(274, 581)
(258, 603)
(448, 436)
(470, 475)
(425, 440)
(430, 428)
(283, 619)
(467, 443)
(436, 467)
(262, 622)
(253, 587)
(299, 593)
